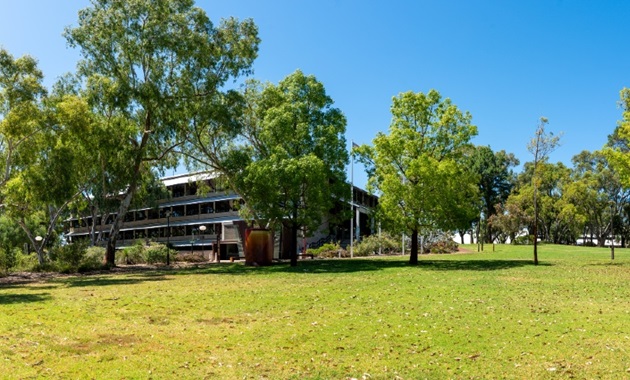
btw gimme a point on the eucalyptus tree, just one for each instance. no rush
(288, 163)
(36, 181)
(540, 146)
(496, 180)
(417, 168)
(21, 112)
(598, 190)
(147, 66)
(618, 146)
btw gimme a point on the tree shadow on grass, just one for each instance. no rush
(10, 299)
(359, 265)
(112, 280)
(476, 265)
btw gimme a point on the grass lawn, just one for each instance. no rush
(479, 315)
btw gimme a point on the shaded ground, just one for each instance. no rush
(28, 277)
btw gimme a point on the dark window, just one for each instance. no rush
(207, 208)
(178, 211)
(222, 206)
(192, 210)
(153, 213)
(141, 215)
(178, 190)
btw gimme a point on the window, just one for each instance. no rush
(222, 206)
(192, 210)
(207, 208)
(178, 211)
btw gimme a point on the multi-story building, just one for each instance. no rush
(201, 216)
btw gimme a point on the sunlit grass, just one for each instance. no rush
(478, 315)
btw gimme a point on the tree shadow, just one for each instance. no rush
(476, 265)
(113, 279)
(10, 299)
(324, 266)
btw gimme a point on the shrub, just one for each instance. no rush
(8, 258)
(524, 240)
(68, 257)
(93, 259)
(445, 246)
(26, 262)
(132, 255)
(327, 250)
(370, 245)
(187, 257)
(156, 253)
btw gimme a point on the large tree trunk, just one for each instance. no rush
(413, 256)
(293, 244)
(110, 254)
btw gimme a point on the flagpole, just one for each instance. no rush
(352, 200)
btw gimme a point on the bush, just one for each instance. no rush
(328, 250)
(132, 255)
(156, 253)
(8, 258)
(370, 245)
(68, 257)
(524, 240)
(187, 257)
(26, 262)
(444, 246)
(93, 259)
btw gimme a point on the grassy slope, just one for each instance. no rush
(482, 315)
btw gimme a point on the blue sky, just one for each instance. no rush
(506, 62)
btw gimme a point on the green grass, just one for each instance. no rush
(480, 315)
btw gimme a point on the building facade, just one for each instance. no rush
(200, 215)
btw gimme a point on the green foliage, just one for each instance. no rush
(8, 258)
(443, 246)
(328, 250)
(618, 145)
(77, 257)
(25, 262)
(69, 256)
(153, 70)
(291, 168)
(524, 240)
(132, 255)
(371, 245)
(141, 253)
(417, 168)
(495, 181)
(93, 259)
(156, 253)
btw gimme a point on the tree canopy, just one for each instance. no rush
(416, 167)
(289, 168)
(148, 66)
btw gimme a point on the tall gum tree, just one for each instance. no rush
(148, 66)
(21, 112)
(417, 168)
(540, 146)
(35, 178)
